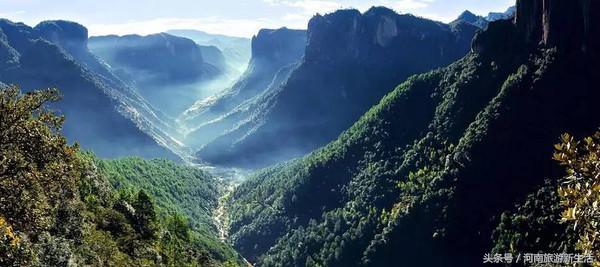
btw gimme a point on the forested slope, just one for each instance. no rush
(58, 209)
(351, 61)
(423, 177)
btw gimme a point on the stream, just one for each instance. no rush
(230, 177)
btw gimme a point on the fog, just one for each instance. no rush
(176, 97)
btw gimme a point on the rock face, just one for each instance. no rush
(213, 56)
(280, 46)
(101, 113)
(508, 14)
(351, 61)
(236, 50)
(482, 22)
(272, 50)
(69, 35)
(170, 72)
(427, 174)
(470, 18)
(158, 58)
(558, 23)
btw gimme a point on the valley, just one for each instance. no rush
(367, 135)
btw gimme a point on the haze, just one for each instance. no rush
(231, 17)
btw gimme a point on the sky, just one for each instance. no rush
(230, 17)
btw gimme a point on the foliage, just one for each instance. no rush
(177, 189)
(535, 226)
(426, 174)
(57, 209)
(184, 196)
(580, 189)
(11, 248)
(37, 173)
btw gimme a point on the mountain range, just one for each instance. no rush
(350, 61)
(273, 54)
(167, 70)
(448, 166)
(375, 139)
(103, 114)
(482, 22)
(157, 58)
(236, 50)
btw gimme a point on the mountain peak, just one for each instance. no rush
(274, 44)
(379, 11)
(468, 16)
(69, 35)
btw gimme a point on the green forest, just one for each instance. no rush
(444, 168)
(61, 206)
(369, 138)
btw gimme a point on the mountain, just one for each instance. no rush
(167, 70)
(152, 121)
(103, 114)
(213, 56)
(61, 206)
(350, 62)
(157, 58)
(177, 190)
(272, 51)
(424, 176)
(470, 18)
(483, 22)
(236, 50)
(508, 14)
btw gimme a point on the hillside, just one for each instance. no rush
(425, 175)
(59, 209)
(103, 114)
(481, 21)
(156, 58)
(236, 50)
(169, 71)
(273, 51)
(350, 62)
(177, 189)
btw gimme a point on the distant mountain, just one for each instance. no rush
(103, 114)
(425, 176)
(236, 50)
(213, 56)
(482, 22)
(470, 18)
(158, 58)
(350, 62)
(508, 14)
(167, 70)
(272, 51)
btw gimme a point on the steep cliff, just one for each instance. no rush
(272, 50)
(102, 112)
(423, 177)
(351, 61)
(157, 58)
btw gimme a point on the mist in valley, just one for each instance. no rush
(419, 133)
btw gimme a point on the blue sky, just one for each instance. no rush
(231, 17)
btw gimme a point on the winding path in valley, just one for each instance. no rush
(230, 179)
(220, 213)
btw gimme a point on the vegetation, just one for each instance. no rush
(179, 191)
(426, 174)
(562, 216)
(344, 72)
(57, 209)
(580, 190)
